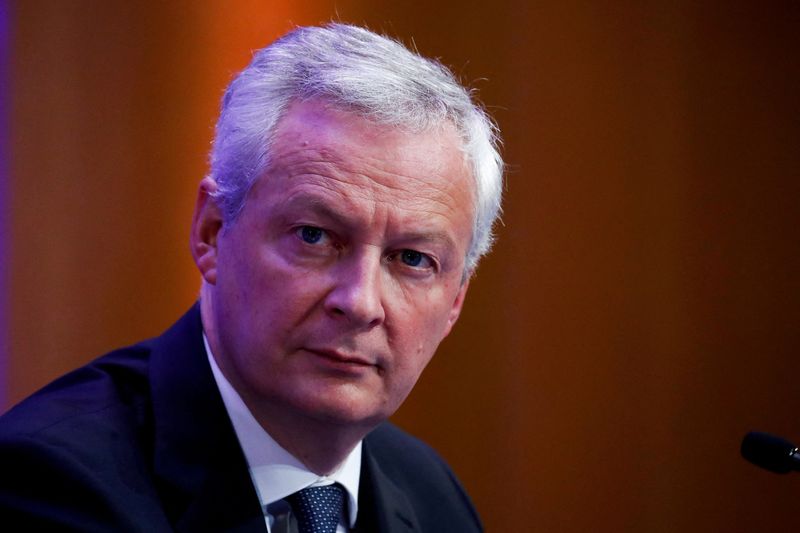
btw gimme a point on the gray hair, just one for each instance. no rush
(360, 72)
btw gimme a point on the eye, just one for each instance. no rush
(415, 259)
(411, 257)
(310, 234)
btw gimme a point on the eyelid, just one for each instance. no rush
(325, 235)
(433, 264)
(429, 262)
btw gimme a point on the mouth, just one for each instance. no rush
(342, 358)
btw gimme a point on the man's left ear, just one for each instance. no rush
(206, 227)
(458, 303)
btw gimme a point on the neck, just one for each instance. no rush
(321, 445)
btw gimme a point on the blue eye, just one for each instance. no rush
(412, 257)
(310, 234)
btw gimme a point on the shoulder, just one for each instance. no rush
(394, 446)
(103, 389)
(73, 448)
(424, 477)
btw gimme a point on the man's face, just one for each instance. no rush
(344, 270)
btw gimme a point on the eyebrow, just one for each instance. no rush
(318, 205)
(324, 208)
(439, 237)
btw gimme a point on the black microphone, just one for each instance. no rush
(773, 453)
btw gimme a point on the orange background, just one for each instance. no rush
(640, 311)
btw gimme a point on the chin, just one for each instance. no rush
(344, 408)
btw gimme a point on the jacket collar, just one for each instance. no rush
(203, 473)
(383, 507)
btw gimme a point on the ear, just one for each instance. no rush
(206, 226)
(458, 303)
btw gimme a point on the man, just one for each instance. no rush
(353, 188)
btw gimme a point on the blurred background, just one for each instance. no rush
(641, 309)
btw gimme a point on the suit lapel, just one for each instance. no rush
(204, 479)
(382, 506)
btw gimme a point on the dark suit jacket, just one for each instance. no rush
(139, 440)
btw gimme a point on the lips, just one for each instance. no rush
(341, 357)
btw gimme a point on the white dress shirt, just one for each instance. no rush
(275, 472)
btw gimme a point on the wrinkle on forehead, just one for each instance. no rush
(411, 218)
(412, 194)
(377, 174)
(374, 178)
(317, 127)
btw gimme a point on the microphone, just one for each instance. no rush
(770, 452)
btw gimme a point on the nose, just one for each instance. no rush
(356, 294)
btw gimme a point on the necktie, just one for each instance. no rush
(318, 508)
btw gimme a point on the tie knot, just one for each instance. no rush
(318, 509)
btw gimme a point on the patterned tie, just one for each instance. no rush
(318, 508)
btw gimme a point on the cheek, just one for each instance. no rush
(423, 326)
(256, 277)
(417, 337)
(407, 371)
(272, 299)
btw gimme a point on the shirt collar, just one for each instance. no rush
(275, 472)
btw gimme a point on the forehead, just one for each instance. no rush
(321, 150)
(314, 125)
